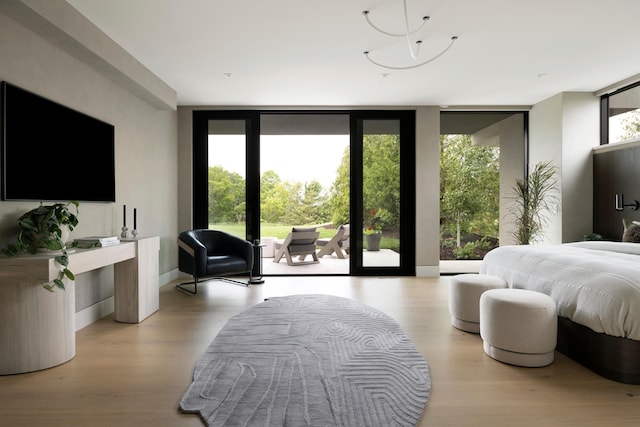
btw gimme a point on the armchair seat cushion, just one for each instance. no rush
(225, 264)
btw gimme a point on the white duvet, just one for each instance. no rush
(595, 283)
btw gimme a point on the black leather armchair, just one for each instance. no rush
(213, 254)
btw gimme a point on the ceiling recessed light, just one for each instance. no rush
(228, 74)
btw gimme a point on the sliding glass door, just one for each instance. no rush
(383, 192)
(366, 183)
(225, 175)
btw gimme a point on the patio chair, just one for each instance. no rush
(338, 244)
(213, 254)
(299, 243)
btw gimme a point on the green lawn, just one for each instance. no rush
(282, 231)
(269, 230)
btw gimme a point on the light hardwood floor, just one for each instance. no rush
(135, 375)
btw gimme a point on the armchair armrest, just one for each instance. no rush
(195, 250)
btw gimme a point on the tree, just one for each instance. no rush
(310, 209)
(273, 199)
(381, 174)
(291, 202)
(631, 125)
(380, 179)
(226, 196)
(338, 202)
(469, 187)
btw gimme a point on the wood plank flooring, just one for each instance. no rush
(135, 375)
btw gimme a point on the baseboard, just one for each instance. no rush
(169, 277)
(94, 313)
(427, 271)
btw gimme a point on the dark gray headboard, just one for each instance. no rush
(616, 170)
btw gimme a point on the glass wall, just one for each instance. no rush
(623, 115)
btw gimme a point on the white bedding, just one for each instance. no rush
(595, 283)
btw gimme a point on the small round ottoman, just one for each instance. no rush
(518, 326)
(464, 298)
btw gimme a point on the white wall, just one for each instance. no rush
(145, 138)
(564, 129)
(581, 132)
(427, 191)
(512, 150)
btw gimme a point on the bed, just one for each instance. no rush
(596, 286)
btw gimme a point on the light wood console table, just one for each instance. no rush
(37, 327)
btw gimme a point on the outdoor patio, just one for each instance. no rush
(331, 264)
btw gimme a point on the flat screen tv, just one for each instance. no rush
(53, 153)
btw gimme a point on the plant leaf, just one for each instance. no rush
(63, 260)
(59, 284)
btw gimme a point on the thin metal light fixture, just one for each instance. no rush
(407, 35)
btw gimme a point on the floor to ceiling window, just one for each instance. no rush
(259, 174)
(481, 156)
(227, 177)
(621, 115)
(304, 183)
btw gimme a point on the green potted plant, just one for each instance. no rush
(534, 198)
(47, 228)
(374, 221)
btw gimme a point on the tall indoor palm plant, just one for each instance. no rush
(534, 199)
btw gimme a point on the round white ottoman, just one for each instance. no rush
(464, 298)
(518, 326)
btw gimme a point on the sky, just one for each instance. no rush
(295, 158)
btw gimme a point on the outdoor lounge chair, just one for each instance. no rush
(299, 243)
(339, 243)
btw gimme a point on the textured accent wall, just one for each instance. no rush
(616, 169)
(145, 137)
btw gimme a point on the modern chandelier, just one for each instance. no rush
(407, 35)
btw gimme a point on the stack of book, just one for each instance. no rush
(96, 241)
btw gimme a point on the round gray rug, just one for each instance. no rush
(310, 360)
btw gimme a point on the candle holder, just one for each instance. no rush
(124, 232)
(134, 233)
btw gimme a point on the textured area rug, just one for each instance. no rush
(310, 360)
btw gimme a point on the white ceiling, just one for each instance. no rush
(304, 53)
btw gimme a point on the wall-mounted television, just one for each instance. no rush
(50, 152)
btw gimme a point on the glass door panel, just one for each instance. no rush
(368, 179)
(381, 193)
(227, 177)
(304, 183)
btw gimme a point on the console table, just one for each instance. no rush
(37, 327)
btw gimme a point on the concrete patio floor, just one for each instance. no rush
(331, 264)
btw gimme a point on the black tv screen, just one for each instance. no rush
(54, 153)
